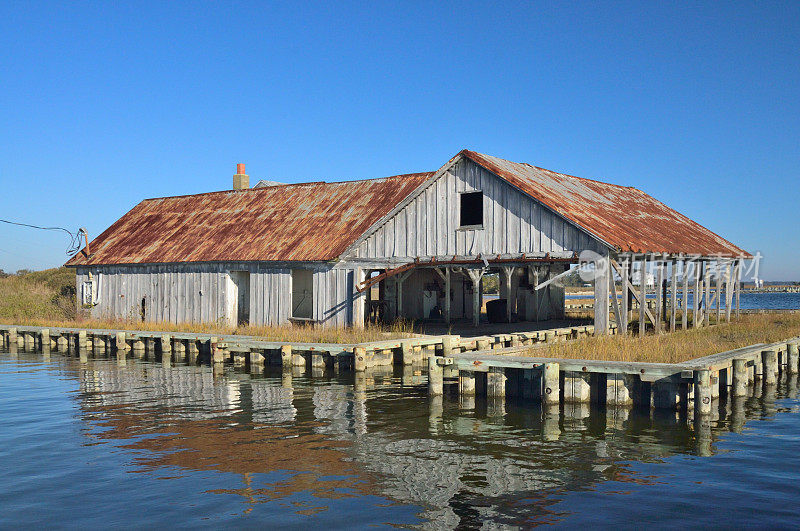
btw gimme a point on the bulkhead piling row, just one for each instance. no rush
(693, 384)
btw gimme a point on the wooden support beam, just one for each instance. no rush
(508, 273)
(737, 284)
(673, 295)
(601, 273)
(637, 295)
(475, 275)
(728, 290)
(625, 309)
(719, 291)
(685, 301)
(707, 303)
(643, 299)
(659, 295)
(696, 296)
(446, 277)
(400, 279)
(614, 302)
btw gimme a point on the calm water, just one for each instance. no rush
(96, 444)
(748, 301)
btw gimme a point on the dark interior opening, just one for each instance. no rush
(471, 209)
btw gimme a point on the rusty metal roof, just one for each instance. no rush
(302, 222)
(623, 217)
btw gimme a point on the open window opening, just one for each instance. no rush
(471, 209)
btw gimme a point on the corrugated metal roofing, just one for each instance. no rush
(623, 217)
(304, 222)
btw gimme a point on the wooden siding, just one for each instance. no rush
(186, 293)
(513, 222)
(334, 296)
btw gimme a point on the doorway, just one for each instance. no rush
(238, 298)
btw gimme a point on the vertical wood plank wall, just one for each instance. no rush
(513, 222)
(186, 293)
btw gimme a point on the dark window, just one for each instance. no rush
(471, 209)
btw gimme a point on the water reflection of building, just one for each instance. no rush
(463, 466)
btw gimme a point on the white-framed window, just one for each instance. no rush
(87, 292)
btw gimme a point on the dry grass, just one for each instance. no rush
(682, 345)
(48, 294)
(288, 334)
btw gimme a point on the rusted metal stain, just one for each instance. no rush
(621, 216)
(303, 222)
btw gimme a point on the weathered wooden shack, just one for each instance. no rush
(414, 246)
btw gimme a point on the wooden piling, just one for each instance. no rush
(360, 359)
(740, 377)
(166, 345)
(792, 357)
(466, 383)
(286, 356)
(121, 343)
(577, 388)
(406, 352)
(435, 377)
(45, 340)
(496, 382)
(550, 383)
(256, 361)
(702, 392)
(769, 358)
(619, 389)
(82, 340)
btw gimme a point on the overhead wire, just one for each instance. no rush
(74, 238)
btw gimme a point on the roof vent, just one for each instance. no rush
(241, 181)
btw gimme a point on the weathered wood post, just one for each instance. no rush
(217, 353)
(360, 359)
(625, 302)
(643, 297)
(179, 349)
(601, 274)
(482, 344)
(435, 377)
(576, 387)
(62, 344)
(317, 360)
(496, 382)
(286, 356)
(82, 340)
(298, 359)
(166, 346)
(673, 295)
(256, 361)
(619, 389)
(12, 340)
(475, 275)
(793, 357)
(120, 343)
(702, 392)
(740, 377)
(407, 352)
(466, 383)
(450, 344)
(550, 383)
(685, 300)
(194, 352)
(770, 360)
(99, 345)
(45, 340)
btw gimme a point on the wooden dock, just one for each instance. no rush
(489, 366)
(256, 353)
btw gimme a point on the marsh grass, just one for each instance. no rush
(679, 346)
(47, 294)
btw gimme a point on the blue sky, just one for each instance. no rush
(104, 104)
